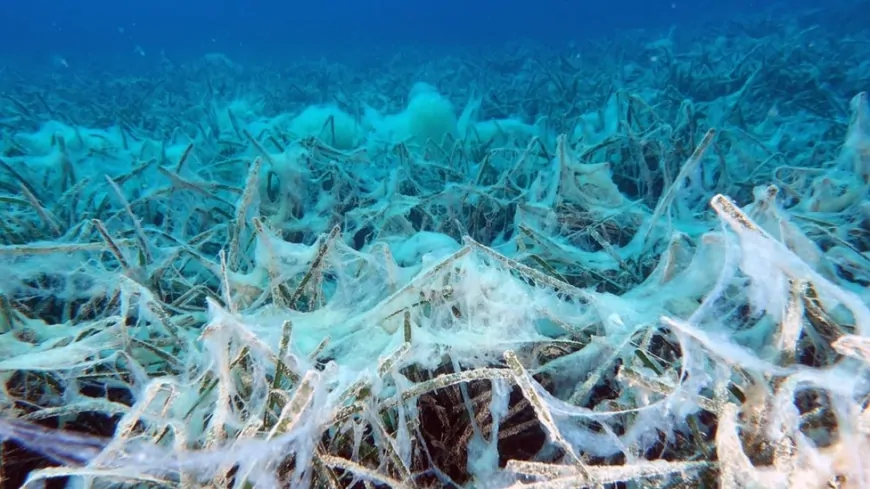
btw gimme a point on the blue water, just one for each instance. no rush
(36, 31)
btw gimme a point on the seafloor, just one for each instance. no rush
(631, 262)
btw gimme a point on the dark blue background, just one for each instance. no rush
(38, 29)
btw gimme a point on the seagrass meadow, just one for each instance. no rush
(630, 262)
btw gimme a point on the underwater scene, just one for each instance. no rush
(483, 245)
